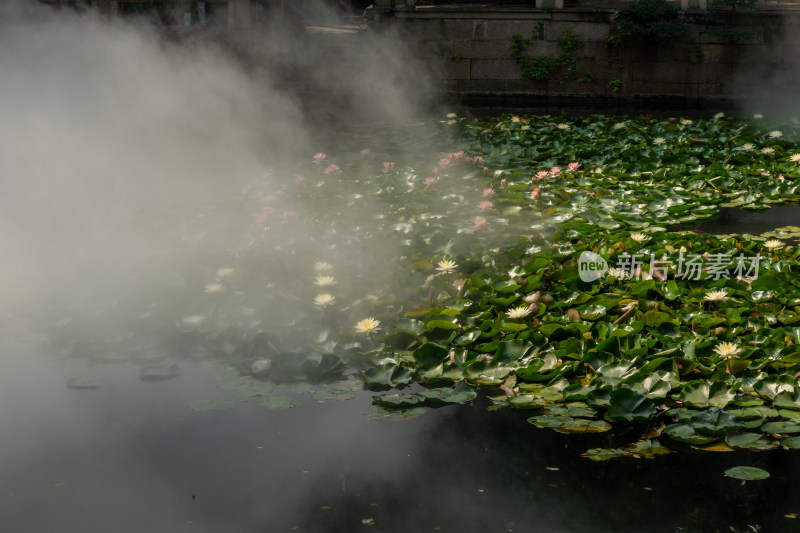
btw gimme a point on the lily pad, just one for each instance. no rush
(749, 473)
(158, 372)
(83, 383)
(211, 405)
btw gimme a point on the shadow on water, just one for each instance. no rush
(131, 456)
(736, 220)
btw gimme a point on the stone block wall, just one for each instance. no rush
(468, 50)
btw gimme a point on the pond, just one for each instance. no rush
(380, 352)
(132, 456)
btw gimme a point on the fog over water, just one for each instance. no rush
(131, 168)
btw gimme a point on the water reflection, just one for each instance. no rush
(131, 457)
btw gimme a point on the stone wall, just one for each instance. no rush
(468, 51)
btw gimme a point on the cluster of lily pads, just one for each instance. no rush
(707, 360)
(450, 264)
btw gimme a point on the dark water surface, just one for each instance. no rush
(735, 220)
(131, 457)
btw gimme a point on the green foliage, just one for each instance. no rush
(723, 23)
(540, 67)
(537, 68)
(653, 20)
(616, 85)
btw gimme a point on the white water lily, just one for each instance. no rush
(719, 115)
(772, 244)
(618, 273)
(213, 288)
(747, 146)
(446, 265)
(639, 237)
(659, 140)
(324, 299)
(563, 126)
(519, 312)
(727, 349)
(767, 150)
(322, 266)
(224, 272)
(794, 158)
(716, 296)
(686, 122)
(324, 281)
(776, 134)
(368, 325)
(758, 116)
(619, 125)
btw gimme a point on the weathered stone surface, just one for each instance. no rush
(444, 69)
(499, 30)
(495, 69)
(482, 49)
(474, 50)
(588, 31)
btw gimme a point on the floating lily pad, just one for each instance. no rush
(211, 405)
(382, 413)
(749, 473)
(333, 394)
(158, 372)
(83, 383)
(783, 428)
(278, 402)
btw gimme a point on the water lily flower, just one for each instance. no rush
(772, 244)
(332, 169)
(618, 273)
(429, 181)
(324, 281)
(775, 134)
(324, 299)
(542, 174)
(514, 119)
(639, 237)
(574, 166)
(619, 125)
(686, 122)
(388, 165)
(535, 193)
(484, 205)
(563, 126)
(365, 152)
(322, 266)
(659, 140)
(224, 272)
(451, 115)
(719, 115)
(794, 158)
(479, 222)
(555, 171)
(213, 288)
(478, 160)
(716, 296)
(446, 265)
(727, 349)
(487, 192)
(758, 116)
(519, 312)
(747, 146)
(319, 157)
(767, 150)
(368, 325)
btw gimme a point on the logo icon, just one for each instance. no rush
(591, 266)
